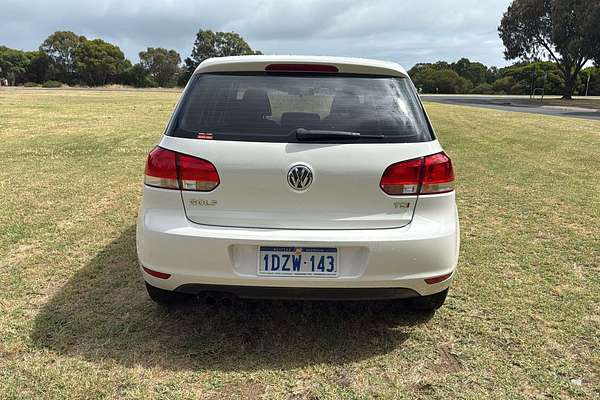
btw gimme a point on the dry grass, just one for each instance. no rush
(521, 321)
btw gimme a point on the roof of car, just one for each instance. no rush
(258, 63)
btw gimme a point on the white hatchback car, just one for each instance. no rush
(299, 177)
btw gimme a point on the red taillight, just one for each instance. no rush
(197, 174)
(439, 175)
(161, 169)
(403, 177)
(170, 170)
(425, 175)
(301, 68)
(156, 274)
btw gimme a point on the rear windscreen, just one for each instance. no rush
(272, 107)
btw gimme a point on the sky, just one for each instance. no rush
(406, 32)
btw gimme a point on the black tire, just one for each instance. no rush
(429, 303)
(166, 297)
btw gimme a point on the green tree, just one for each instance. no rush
(524, 75)
(594, 84)
(99, 63)
(441, 65)
(215, 44)
(61, 47)
(566, 31)
(483, 88)
(161, 64)
(491, 75)
(38, 68)
(448, 81)
(423, 76)
(475, 72)
(13, 65)
(137, 76)
(438, 78)
(504, 85)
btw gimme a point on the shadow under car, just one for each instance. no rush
(103, 312)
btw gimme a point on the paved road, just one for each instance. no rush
(508, 103)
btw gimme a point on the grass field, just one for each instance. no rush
(522, 320)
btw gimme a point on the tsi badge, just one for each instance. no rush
(203, 202)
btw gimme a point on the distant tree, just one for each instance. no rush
(483, 88)
(99, 63)
(61, 47)
(422, 76)
(475, 72)
(441, 65)
(13, 65)
(492, 74)
(504, 85)
(38, 68)
(462, 77)
(448, 81)
(161, 64)
(567, 31)
(594, 84)
(438, 78)
(525, 75)
(137, 76)
(215, 44)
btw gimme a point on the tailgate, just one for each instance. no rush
(255, 192)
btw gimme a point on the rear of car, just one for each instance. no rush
(299, 177)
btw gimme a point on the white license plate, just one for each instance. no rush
(301, 261)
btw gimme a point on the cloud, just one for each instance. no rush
(402, 31)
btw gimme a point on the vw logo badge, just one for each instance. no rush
(300, 177)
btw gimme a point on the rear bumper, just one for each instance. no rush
(299, 293)
(397, 260)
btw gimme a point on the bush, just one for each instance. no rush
(520, 88)
(52, 84)
(137, 77)
(504, 84)
(31, 84)
(483, 88)
(448, 82)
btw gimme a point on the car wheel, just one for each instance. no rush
(429, 303)
(166, 297)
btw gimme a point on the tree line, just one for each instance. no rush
(67, 58)
(467, 77)
(565, 33)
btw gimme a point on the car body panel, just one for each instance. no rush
(254, 192)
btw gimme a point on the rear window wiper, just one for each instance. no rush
(310, 134)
